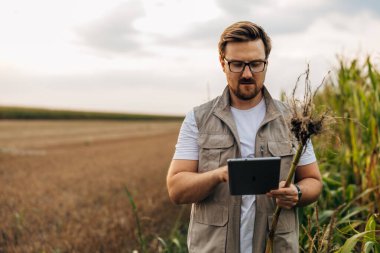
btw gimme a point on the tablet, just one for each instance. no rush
(249, 176)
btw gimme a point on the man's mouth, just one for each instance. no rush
(247, 83)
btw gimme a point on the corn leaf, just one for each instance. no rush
(351, 242)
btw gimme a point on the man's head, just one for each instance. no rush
(244, 48)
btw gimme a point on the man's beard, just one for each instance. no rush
(243, 95)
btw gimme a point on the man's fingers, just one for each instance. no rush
(283, 191)
(223, 174)
(286, 203)
(286, 197)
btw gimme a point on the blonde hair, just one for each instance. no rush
(244, 31)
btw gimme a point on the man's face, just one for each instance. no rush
(245, 85)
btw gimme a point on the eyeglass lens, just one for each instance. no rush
(238, 66)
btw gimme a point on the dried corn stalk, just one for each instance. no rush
(305, 121)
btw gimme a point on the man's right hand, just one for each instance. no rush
(185, 185)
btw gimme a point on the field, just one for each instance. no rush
(63, 184)
(14, 112)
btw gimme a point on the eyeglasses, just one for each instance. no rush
(239, 66)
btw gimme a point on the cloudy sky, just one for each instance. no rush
(160, 56)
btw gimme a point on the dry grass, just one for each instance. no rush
(62, 184)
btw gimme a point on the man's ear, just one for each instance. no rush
(222, 63)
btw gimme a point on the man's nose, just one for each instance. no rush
(247, 72)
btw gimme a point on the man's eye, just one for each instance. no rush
(237, 64)
(255, 64)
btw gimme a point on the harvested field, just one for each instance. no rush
(62, 184)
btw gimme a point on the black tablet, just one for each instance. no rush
(249, 176)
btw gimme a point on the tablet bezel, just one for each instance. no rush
(264, 171)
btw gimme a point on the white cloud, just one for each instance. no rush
(158, 55)
(299, 3)
(114, 33)
(332, 34)
(336, 33)
(38, 36)
(174, 17)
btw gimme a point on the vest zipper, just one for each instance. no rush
(262, 150)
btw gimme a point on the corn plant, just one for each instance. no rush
(350, 166)
(141, 239)
(175, 242)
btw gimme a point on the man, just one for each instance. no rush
(243, 122)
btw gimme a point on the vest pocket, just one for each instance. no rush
(211, 214)
(286, 235)
(280, 148)
(286, 222)
(212, 150)
(208, 230)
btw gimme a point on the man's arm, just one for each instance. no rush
(186, 185)
(309, 180)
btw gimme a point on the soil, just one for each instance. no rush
(62, 184)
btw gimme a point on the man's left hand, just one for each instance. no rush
(286, 197)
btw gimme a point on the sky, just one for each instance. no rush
(161, 56)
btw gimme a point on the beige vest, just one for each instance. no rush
(215, 221)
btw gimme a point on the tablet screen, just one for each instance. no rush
(250, 176)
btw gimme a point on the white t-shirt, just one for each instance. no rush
(247, 123)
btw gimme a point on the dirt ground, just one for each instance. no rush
(62, 184)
